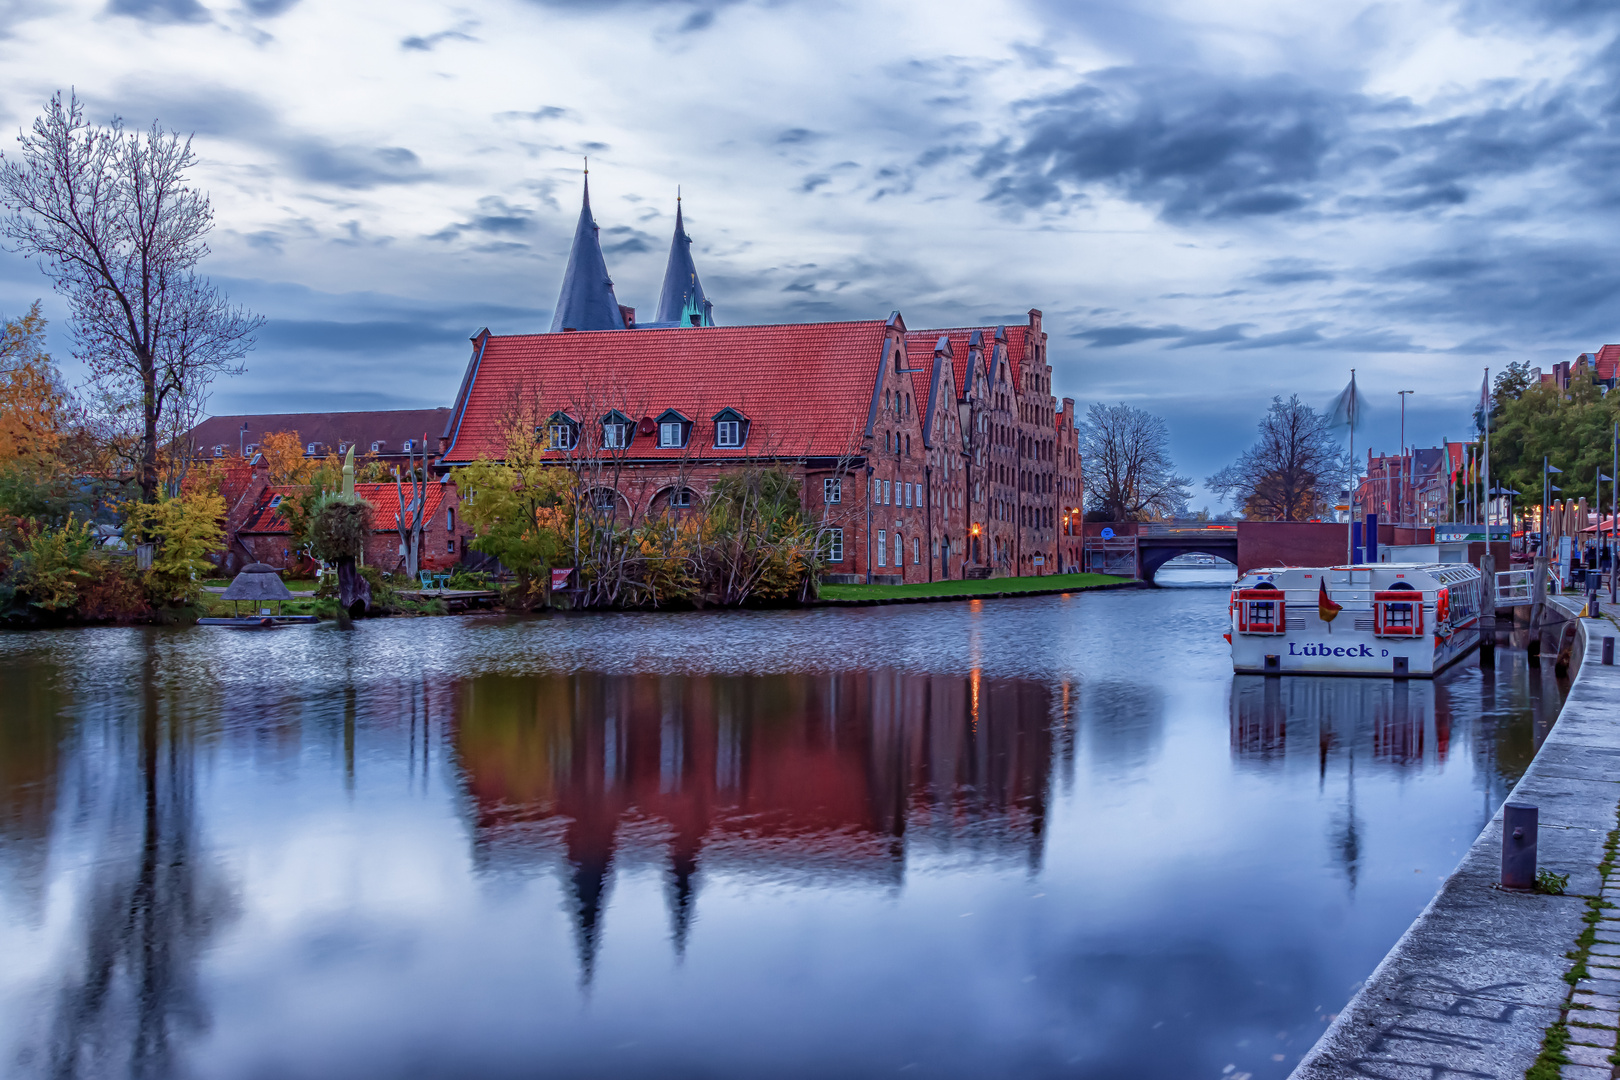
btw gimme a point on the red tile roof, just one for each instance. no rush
(960, 337)
(385, 497)
(806, 389)
(1608, 362)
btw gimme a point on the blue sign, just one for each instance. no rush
(1108, 534)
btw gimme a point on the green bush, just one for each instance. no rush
(338, 527)
(48, 571)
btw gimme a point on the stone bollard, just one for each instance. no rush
(1519, 824)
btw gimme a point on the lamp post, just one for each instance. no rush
(1400, 487)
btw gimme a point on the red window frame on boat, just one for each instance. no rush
(1262, 611)
(1383, 608)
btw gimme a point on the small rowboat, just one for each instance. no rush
(1400, 619)
(259, 622)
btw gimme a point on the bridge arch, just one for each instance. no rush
(1153, 558)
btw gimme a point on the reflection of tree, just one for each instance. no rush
(30, 738)
(794, 777)
(150, 903)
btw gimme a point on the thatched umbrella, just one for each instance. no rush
(259, 583)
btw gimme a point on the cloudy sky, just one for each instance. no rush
(1212, 204)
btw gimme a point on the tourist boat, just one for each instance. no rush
(1400, 619)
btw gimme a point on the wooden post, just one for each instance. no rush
(1538, 604)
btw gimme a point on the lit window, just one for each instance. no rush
(833, 545)
(728, 433)
(832, 490)
(883, 548)
(670, 434)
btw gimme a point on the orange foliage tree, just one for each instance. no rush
(32, 404)
(285, 455)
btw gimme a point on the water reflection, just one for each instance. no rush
(1007, 846)
(809, 780)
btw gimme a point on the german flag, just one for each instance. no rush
(1326, 607)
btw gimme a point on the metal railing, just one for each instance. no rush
(1185, 528)
(1518, 586)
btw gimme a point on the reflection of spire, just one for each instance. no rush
(682, 891)
(1349, 840)
(589, 885)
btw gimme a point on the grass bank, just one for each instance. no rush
(967, 589)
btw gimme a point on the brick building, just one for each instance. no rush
(257, 531)
(390, 436)
(923, 454)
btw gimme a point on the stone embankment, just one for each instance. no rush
(1493, 984)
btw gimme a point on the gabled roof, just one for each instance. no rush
(682, 293)
(587, 301)
(1607, 363)
(384, 497)
(805, 387)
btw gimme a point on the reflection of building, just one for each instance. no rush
(796, 777)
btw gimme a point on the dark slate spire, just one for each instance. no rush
(682, 294)
(587, 301)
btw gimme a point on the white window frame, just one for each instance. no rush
(888, 493)
(671, 435)
(560, 435)
(377, 447)
(832, 489)
(309, 449)
(834, 543)
(219, 451)
(728, 433)
(916, 551)
(899, 550)
(883, 548)
(615, 435)
(680, 498)
(409, 446)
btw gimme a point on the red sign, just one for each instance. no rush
(559, 578)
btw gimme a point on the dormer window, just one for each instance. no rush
(558, 433)
(673, 429)
(617, 430)
(275, 501)
(410, 444)
(219, 451)
(378, 447)
(730, 429)
(310, 449)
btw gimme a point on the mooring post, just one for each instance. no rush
(1519, 824)
(1487, 609)
(1538, 606)
(1608, 651)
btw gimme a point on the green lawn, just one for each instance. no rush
(293, 584)
(989, 587)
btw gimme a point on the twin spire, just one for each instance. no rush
(587, 300)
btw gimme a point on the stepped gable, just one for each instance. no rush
(587, 300)
(920, 350)
(961, 344)
(804, 388)
(682, 294)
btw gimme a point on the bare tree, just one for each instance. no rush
(1129, 474)
(412, 517)
(1293, 470)
(112, 221)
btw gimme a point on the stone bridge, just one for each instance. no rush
(1139, 549)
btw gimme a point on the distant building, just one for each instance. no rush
(388, 435)
(1410, 487)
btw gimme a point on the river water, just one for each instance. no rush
(1050, 836)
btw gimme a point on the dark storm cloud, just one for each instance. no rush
(622, 239)
(355, 337)
(1199, 146)
(1193, 146)
(160, 11)
(494, 217)
(1108, 337)
(269, 8)
(232, 114)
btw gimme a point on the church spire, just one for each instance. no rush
(587, 301)
(681, 301)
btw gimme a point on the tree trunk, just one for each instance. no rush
(354, 591)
